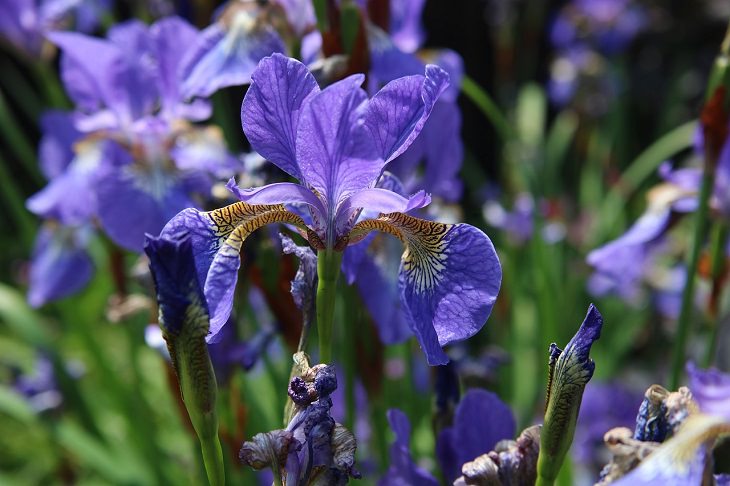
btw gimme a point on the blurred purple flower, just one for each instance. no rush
(481, 420)
(609, 25)
(25, 23)
(228, 51)
(710, 389)
(337, 143)
(60, 263)
(604, 406)
(403, 471)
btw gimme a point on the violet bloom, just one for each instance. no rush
(337, 143)
(403, 471)
(128, 156)
(25, 23)
(481, 420)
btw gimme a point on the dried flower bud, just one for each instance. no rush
(267, 449)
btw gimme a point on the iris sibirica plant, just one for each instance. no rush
(337, 143)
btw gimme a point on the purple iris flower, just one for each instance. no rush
(337, 143)
(228, 51)
(481, 420)
(403, 470)
(24, 23)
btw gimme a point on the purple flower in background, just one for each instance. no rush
(227, 52)
(25, 23)
(604, 406)
(337, 143)
(481, 420)
(128, 157)
(710, 389)
(403, 471)
(609, 25)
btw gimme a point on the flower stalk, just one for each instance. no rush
(328, 272)
(714, 127)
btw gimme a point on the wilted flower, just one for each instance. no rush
(337, 144)
(313, 449)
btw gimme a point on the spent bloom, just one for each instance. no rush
(337, 143)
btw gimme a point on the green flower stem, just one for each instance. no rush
(685, 313)
(719, 243)
(328, 271)
(488, 107)
(199, 390)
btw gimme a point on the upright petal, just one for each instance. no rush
(280, 89)
(449, 278)
(334, 154)
(397, 113)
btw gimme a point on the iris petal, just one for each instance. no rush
(280, 89)
(449, 278)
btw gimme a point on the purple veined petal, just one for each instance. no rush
(56, 148)
(396, 114)
(280, 89)
(60, 264)
(710, 389)
(133, 201)
(403, 470)
(405, 24)
(172, 38)
(227, 55)
(481, 420)
(451, 62)
(449, 278)
(277, 193)
(335, 156)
